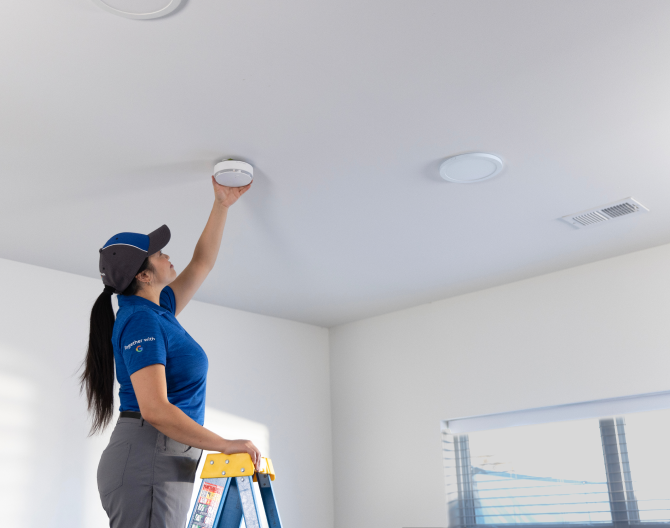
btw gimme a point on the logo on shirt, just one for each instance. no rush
(138, 342)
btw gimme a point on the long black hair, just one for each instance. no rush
(97, 380)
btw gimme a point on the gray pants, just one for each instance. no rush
(145, 478)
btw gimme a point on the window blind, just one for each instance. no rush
(598, 472)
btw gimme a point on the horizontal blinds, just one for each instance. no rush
(478, 495)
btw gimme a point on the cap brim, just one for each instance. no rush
(158, 239)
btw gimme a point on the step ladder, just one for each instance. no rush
(226, 493)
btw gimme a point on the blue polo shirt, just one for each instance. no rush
(147, 334)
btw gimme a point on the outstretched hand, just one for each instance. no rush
(227, 196)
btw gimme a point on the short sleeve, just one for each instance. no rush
(143, 341)
(168, 300)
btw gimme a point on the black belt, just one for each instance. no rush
(131, 414)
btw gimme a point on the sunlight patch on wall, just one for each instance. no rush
(233, 427)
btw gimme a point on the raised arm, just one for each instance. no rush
(207, 248)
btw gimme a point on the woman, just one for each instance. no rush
(146, 473)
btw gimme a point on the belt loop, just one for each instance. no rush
(141, 422)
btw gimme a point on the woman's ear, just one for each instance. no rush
(144, 277)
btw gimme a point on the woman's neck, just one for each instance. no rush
(150, 294)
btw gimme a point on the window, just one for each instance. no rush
(611, 471)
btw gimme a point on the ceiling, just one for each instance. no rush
(346, 109)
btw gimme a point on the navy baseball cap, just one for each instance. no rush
(123, 254)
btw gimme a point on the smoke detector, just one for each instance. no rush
(139, 9)
(474, 167)
(233, 173)
(625, 207)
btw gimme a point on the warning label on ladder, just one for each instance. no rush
(205, 508)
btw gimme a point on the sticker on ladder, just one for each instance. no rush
(208, 503)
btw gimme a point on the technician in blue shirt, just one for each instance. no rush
(146, 473)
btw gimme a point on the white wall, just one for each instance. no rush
(271, 371)
(591, 332)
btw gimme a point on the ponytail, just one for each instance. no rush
(97, 380)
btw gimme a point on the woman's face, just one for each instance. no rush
(164, 272)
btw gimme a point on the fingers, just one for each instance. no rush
(255, 456)
(246, 446)
(255, 459)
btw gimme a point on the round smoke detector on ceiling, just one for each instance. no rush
(233, 173)
(139, 9)
(471, 168)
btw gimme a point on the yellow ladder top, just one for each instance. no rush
(218, 465)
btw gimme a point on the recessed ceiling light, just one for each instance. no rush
(471, 168)
(139, 9)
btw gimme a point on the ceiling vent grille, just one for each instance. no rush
(605, 213)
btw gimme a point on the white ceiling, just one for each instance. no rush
(346, 109)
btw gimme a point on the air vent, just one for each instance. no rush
(605, 213)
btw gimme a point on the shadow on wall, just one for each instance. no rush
(18, 432)
(40, 443)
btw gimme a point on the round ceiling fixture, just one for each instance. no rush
(471, 168)
(233, 173)
(139, 9)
